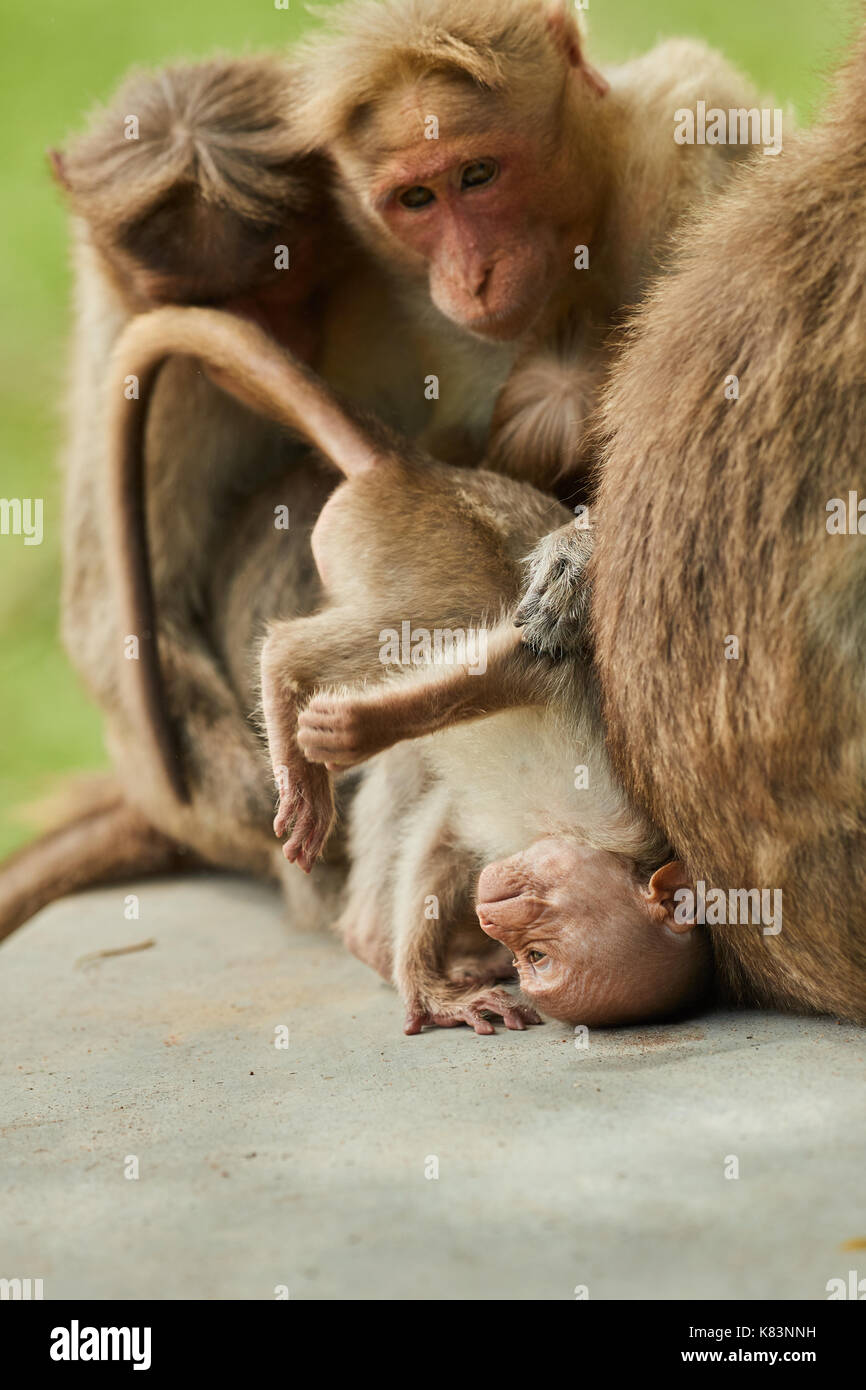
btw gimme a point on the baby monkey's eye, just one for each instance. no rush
(479, 172)
(416, 197)
(536, 956)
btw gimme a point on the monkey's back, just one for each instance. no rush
(730, 623)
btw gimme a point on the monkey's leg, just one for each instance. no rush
(554, 610)
(295, 658)
(343, 730)
(102, 846)
(433, 898)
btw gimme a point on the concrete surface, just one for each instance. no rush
(305, 1167)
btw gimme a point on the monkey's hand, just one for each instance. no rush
(306, 810)
(449, 1008)
(341, 731)
(554, 610)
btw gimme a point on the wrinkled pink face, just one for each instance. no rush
(482, 207)
(470, 208)
(591, 945)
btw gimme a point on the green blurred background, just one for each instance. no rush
(57, 61)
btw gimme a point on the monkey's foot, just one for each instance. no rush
(306, 810)
(554, 609)
(450, 1012)
(340, 732)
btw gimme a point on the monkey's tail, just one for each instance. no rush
(103, 840)
(242, 359)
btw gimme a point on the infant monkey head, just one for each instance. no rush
(591, 943)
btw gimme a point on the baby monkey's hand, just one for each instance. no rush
(448, 1008)
(341, 731)
(554, 610)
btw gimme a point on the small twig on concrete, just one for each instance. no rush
(114, 951)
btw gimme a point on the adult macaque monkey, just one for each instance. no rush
(484, 157)
(183, 190)
(190, 188)
(729, 574)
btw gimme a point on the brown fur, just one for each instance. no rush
(711, 522)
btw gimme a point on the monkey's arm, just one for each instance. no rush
(554, 610)
(344, 730)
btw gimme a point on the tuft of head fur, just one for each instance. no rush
(370, 46)
(214, 174)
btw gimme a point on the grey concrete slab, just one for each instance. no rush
(558, 1166)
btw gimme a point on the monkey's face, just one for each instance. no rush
(591, 945)
(486, 213)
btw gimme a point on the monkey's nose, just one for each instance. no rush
(484, 922)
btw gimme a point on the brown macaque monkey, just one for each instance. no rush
(728, 581)
(406, 540)
(190, 188)
(482, 156)
(193, 208)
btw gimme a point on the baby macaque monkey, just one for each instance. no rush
(406, 539)
(592, 942)
(188, 187)
(591, 928)
(407, 543)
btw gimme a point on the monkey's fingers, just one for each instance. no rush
(496, 1001)
(553, 610)
(291, 804)
(476, 1020)
(307, 840)
(519, 1017)
(336, 733)
(313, 818)
(473, 1013)
(416, 1021)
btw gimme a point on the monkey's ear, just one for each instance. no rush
(565, 32)
(57, 163)
(660, 896)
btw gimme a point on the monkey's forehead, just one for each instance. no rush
(370, 47)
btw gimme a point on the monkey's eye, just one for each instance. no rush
(535, 956)
(478, 173)
(417, 197)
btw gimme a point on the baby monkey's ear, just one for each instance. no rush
(661, 897)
